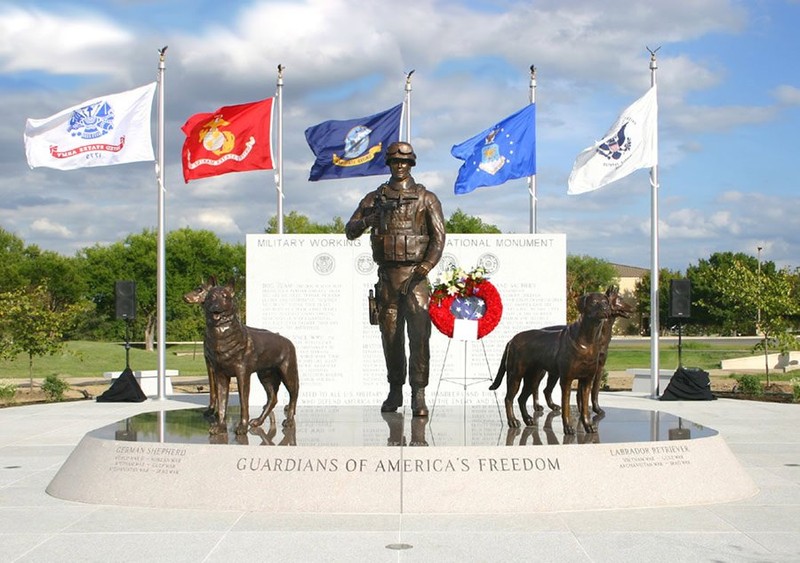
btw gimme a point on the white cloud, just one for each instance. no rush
(47, 227)
(219, 221)
(471, 69)
(789, 95)
(725, 118)
(32, 39)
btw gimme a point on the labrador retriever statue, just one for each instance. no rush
(617, 308)
(233, 349)
(571, 353)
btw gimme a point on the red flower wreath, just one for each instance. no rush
(443, 319)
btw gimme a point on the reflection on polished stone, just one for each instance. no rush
(476, 425)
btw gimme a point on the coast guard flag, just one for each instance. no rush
(355, 147)
(501, 153)
(231, 139)
(112, 129)
(630, 144)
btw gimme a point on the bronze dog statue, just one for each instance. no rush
(233, 349)
(618, 308)
(571, 353)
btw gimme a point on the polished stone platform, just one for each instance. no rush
(353, 459)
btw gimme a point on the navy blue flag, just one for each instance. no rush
(355, 147)
(501, 153)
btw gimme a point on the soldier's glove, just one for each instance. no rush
(419, 273)
(371, 220)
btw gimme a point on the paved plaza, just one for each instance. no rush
(35, 440)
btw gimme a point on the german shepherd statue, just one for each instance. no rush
(233, 349)
(568, 354)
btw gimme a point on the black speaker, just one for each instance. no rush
(125, 298)
(680, 302)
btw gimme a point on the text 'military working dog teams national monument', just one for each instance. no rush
(331, 319)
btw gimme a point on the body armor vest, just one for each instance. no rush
(402, 234)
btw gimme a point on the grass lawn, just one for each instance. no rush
(624, 354)
(92, 359)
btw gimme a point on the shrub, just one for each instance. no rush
(750, 385)
(54, 387)
(7, 392)
(795, 389)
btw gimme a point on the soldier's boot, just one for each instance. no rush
(418, 406)
(418, 425)
(395, 422)
(395, 398)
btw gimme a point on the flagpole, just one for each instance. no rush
(654, 282)
(161, 270)
(407, 102)
(279, 175)
(532, 178)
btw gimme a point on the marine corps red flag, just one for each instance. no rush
(231, 139)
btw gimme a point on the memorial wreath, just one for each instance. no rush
(464, 295)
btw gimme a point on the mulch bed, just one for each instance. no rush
(765, 397)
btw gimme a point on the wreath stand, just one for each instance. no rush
(465, 380)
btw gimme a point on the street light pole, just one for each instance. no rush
(758, 315)
(758, 318)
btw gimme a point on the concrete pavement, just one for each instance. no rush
(35, 440)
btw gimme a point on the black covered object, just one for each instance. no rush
(125, 389)
(688, 384)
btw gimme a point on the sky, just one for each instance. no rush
(728, 92)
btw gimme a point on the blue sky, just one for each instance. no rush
(729, 101)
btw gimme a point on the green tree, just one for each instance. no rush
(765, 296)
(711, 308)
(191, 257)
(296, 223)
(25, 267)
(32, 324)
(460, 222)
(585, 275)
(62, 276)
(642, 294)
(12, 256)
(134, 258)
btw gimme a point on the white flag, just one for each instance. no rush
(112, 129)
(630, 144)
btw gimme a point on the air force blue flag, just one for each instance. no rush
(501, 153)
(355, 147)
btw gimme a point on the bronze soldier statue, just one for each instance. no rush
(407, 236)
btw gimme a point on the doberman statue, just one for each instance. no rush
(567, 354)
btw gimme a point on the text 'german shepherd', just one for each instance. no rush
(233, 349)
